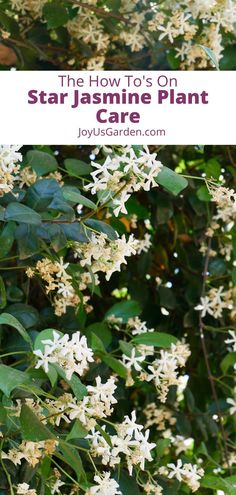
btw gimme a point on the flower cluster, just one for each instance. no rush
(9, 168)
(118, 177)
(105, 484)
(32, 452)
(104, 255)
(164, 371)
(58, 279)
(73, 356)
(216, 300)
(129, 441)
(225, 200)
(188, 473)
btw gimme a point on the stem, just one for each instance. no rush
(64, 472)
(207, 363)
(6, 473)
(13, 353)
(14, 268)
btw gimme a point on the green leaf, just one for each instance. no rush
(124, 310)
(101, 330)
(211, 55)
(7, 319)
(7, 239)
(162, 445)
(77, 168)
(99, 226)
(3, 295)
(22, 214)
(32, 428)
(76, 385)
(167, 298)
(97, 344)
(157, 339)
(46, 334)
(55, 14)
(228, 361)
(212, 168)
(9, 24)
(113, 5)
(73, 459)
(42, 163)
(171, 181)
(26, 314)
(41, 194)
(11, 378)
(104, 434)
(126, 347)
(203, 194)
(77, 198)
(127, 484)
(217, 483)
(77, 431)
(115, 365)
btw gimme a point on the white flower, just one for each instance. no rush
(232, 340)
(72, 355)
(232, 402)
(9, 169)
(133, 360)
(204, 306)
(56, 486)
(104, 255)
(188, 473)
(105, 485)
(24, 489)
(121, 175)
(176, 471)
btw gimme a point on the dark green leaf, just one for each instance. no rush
(124, 310)
(42, 163)
(157, 339)
(22, 214)
(3, 295)
(103, 227)
(77, 168)
(7, 239)
(8, 319)
(228, 361)
(11, 379)
(115, 365)
(77, 431)
(32, 428)
(55, 14)
(171, 181)
(76, 197)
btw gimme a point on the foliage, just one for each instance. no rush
(117, 316)
(117, 34)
